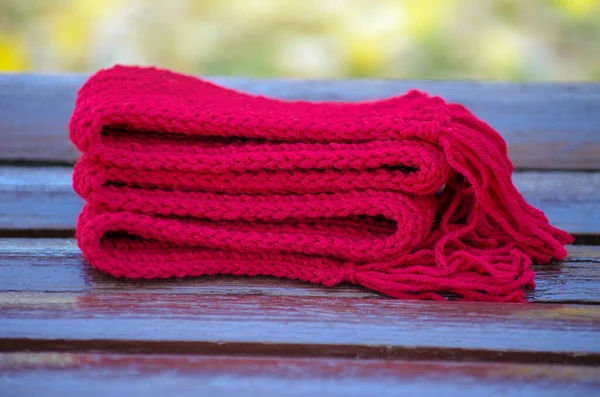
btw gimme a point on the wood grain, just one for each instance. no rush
(39, 265)
(93, 374)
(42, 198)
(546, 126)
(297, 326)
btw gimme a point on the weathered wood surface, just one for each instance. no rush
(546, 126)
(296, 326)
(93, 374)
(51, 300)
(42, 198)
(44, 265)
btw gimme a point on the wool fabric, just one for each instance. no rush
(409, 196)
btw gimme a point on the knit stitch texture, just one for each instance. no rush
(409, 196)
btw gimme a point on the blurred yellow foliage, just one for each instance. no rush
(12, 54)
(579, 8)
(485, 39)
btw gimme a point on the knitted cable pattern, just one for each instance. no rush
(409, 196)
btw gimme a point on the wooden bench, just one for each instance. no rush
(66, 329)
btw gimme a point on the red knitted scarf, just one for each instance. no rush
(409, 196)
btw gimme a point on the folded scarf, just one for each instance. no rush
(409, 196)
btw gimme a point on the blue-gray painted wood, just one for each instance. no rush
(546, 125)
(42, 198)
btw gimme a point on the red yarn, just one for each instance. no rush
(185, 178)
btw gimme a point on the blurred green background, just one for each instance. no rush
(481, 39)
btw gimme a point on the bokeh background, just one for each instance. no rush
(555, 40)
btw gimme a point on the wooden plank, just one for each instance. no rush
(569, 199)
(38, 265)
(38, 198)
(546, 125)
(297, 326)
(93, 374)
(577, 279)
